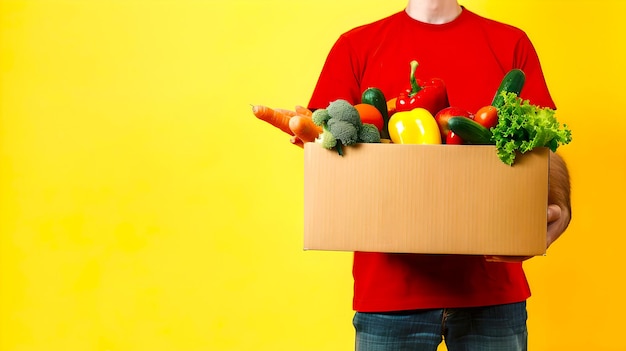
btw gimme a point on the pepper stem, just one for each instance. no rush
(415, 88)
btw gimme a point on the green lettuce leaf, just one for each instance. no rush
(522, 127)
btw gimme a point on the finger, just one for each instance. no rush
(507, 259)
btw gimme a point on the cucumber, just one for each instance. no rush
(376, 98)
(470, 131)
(513, 82)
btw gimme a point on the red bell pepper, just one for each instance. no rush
(430, 94)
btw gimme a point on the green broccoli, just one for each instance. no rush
(369, 133)
(342, 126)
(346, 133)
(320, 117)
(327, 139)
(342, 110)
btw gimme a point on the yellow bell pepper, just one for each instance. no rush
(417, 126)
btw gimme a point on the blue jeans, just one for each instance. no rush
(491, 328)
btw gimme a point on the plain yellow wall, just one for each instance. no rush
(143, 207)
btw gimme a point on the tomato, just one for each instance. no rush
(444, 115)
(453, 139)
(370, 114)
(487, 116)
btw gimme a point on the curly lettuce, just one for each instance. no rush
(522, 127)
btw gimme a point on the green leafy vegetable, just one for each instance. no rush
(522, 127)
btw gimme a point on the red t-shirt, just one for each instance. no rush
(471, 54)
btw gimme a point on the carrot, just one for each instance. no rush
(301, 110)
(276, 118)
(296, 141)
(304, 129)
(286, 112)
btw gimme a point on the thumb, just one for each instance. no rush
(554, 213)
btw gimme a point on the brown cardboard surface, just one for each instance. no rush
(439, 199)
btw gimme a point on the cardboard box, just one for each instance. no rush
(436, 199)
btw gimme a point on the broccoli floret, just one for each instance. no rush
(342, 110)
(369, 133)
(320, 116)
(345, 132)
(342, 125)
(327, 139)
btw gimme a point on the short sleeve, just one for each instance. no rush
(338, 78)
(535, 87)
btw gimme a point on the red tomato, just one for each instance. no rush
(487, 116)
(453, 139)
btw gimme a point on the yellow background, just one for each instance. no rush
(143, 207)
